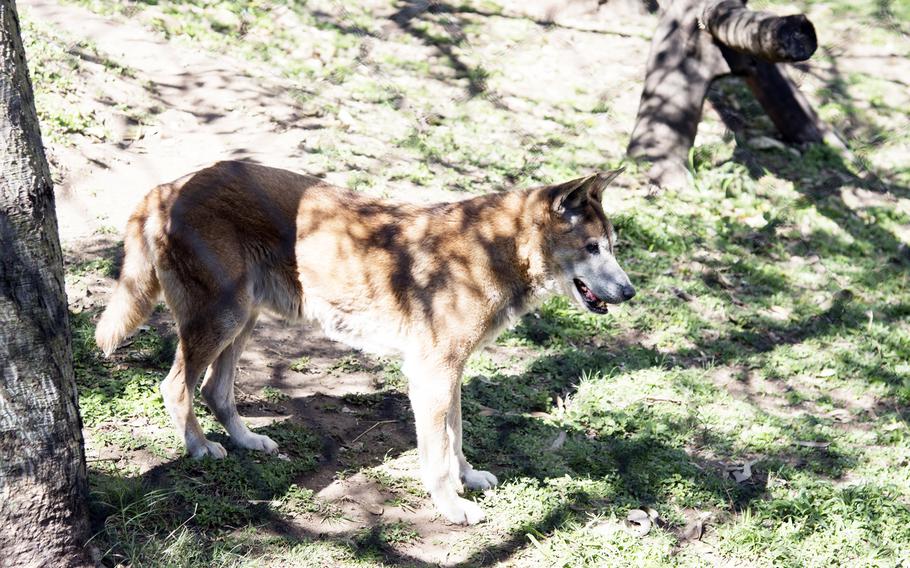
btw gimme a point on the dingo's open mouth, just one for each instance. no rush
(590, 299)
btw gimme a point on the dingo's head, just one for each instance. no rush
(581, 244)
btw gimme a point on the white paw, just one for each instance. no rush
(257, 442)
(482, 480)
(461, 511)
(208, 448)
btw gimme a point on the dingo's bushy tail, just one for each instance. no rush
(136, 292)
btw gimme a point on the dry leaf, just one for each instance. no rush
(682, 294)
(638, 522)
(741, 473)
(712, 277)
(741, 476)
(487, 411)
(538, 414)
(766, 143)
(826, 373)
(695, 525)
(736, 301)
(559, 441)
(840, 415)
(604, 528)
(822, 445)
(693, 531)
(778, 313)
(372, 508)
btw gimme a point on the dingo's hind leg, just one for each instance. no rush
(218, 393)
(202, 339)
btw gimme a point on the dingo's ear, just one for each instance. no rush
(574, 195)
(600, 181)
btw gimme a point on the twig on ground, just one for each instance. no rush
(362, 434)
(658, 399)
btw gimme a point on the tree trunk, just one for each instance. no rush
(43, 520)
(681, 66)
(697, 41)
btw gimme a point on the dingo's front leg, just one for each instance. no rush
(472, 478)
(431, 390)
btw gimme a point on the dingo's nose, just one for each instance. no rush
(628, 292)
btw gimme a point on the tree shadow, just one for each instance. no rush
(407, 19)
(502, 433)
(212, 495)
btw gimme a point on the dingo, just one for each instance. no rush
(429, 283)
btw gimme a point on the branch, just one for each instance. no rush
(761, 34)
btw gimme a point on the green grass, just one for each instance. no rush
(386, 534)
(770, 326)
(274, 395)
(52, 68)
(300, 500)
(56, 64)
(182, 503)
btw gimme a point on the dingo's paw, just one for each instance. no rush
(482, 480)
(461, 511)
(208, 448)
(257, 442)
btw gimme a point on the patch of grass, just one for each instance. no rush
(109, 391)
(129, 510)
(557, 322)
(273, 395)
(301, 364)
(390, 377)
(815, 523)
(201, 498)
(55, 61)
(602, 106)
(143, 520)
(363, 399)
(360, 181)
(383, 535)
(300, 500)
(407, 490)
(100, 266)
(347, 364)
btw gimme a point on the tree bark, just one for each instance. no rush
(766, 36)
(681, 66)
(697, 41)
(43, 520)
(783, 102)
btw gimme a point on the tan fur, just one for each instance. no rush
(428, 283)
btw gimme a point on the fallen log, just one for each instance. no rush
(697, 41)
(761, 34)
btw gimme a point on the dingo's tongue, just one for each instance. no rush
(586, 292)
(593, 302)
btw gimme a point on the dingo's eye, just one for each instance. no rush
(593, 248)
